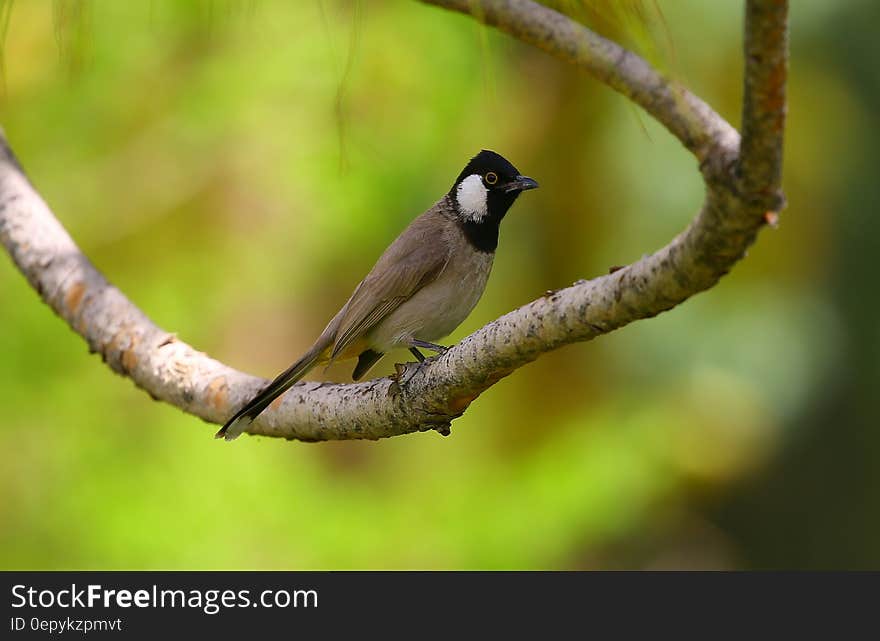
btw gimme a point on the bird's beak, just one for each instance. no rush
(521, 183)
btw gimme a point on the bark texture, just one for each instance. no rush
(743, 193)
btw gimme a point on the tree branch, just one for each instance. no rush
(687, 117)
(432, 394)
(764, 106)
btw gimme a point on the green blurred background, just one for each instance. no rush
(235, 167)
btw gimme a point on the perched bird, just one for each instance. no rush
(423, 286)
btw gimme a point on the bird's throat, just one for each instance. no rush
(483, 235)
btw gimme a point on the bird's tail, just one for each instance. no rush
(246, 415)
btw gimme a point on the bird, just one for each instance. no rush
(422, 287)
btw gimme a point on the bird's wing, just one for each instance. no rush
(412, 261)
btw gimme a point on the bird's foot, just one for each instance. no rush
(414, 343)
(403, 373)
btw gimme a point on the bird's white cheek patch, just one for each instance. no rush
(471, 196)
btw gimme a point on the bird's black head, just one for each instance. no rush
(482, 194)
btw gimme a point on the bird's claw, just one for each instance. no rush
(403, 373)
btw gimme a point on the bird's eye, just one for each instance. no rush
(491, 178)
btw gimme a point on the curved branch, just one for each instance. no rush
(687, 117)
(423, 396)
